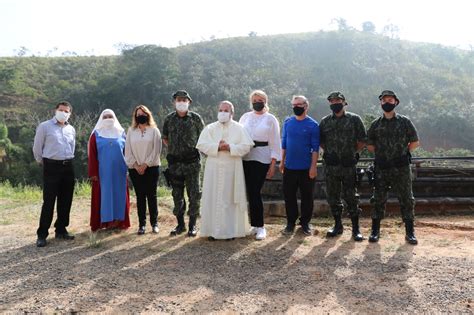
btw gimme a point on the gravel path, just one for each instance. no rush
(122, 272)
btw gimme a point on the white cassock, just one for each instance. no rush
(224, 200)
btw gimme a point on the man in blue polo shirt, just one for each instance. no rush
(300, 152)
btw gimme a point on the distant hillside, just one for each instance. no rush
(434, 83)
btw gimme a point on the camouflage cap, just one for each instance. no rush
(389, 93)
(336, 94)
(182, 93)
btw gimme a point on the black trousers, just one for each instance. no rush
(255, 173)
(58, 184)
(292, 181)
(145, 188)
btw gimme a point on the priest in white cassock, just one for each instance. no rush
(224, 201)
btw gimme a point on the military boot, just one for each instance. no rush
(356, 235)
(192, 226)
(375, 234)
(410, 233)
(180, 228)
(337, 229)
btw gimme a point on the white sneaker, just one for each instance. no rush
(253, 230)
(261, 234)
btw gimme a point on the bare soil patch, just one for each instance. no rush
(121, 272)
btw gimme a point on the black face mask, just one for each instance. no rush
(258, 106)
(141, 119)
(387, 107)
(336, 108)
(298, 110)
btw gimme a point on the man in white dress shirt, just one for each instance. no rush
(224, 201)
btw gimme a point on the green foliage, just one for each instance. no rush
(82, 188)
(434, 84)
(19, 192)
(3, 131)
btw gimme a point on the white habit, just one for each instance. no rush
(224, 201)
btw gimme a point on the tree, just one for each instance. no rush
(342, 24)
(368, 27)
(143, 75)
(391, 30)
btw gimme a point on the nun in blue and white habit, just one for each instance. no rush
(110, 202)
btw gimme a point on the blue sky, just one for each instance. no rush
(98, 27)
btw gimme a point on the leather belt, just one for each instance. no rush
(57, 162)
(260, 143)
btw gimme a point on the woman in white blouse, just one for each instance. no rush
(259, 163)
(142, 155)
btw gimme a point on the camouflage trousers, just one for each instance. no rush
(185, 175)
(400, 181)
(341, 182)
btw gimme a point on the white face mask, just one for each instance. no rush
(182, 106)
(62, 116)
(223, 117)
(108, 122)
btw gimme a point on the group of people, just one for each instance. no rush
(240, 156)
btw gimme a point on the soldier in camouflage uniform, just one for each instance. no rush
(181, 130)
(342, 136)
(392, 137)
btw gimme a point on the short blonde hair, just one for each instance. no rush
(151, 121)
(261, 94)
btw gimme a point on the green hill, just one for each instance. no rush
(434, 83)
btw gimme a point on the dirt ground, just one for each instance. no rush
(121, 272)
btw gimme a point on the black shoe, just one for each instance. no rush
(211, 239)
(192, 226)
(64, 236)
(41, 242)
(288, 230)
(375, 234)
(410, 233)
(337, 229)
(180, 228)
(141, 230)
(356, 235)
(306, 228)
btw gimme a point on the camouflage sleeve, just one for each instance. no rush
(200, 124)
(371, 134)
(164, 134)
(361, 134)
(411, 132)
(322, 135)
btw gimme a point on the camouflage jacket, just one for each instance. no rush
(182, 134)
(391, 136)
(339, 136)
